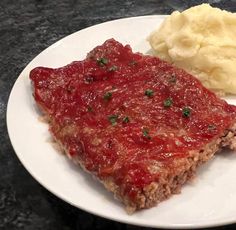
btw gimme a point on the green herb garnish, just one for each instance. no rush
(126, 120)
(107, 96)
(146, 133)
(113, 119)
(186, 111)
(149, 93)
(102, 61)
(168, 102)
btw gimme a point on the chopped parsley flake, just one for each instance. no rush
(146, 133)
(107, 96)
(113, 119)
(168, 102)
(149, 93)
(126, 120)
(102, 61)
(186, 111)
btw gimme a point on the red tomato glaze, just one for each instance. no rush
(123, 114)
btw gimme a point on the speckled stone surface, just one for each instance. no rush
(26, 28)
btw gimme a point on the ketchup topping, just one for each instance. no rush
(127, 116)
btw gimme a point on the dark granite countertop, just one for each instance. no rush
(26, 28)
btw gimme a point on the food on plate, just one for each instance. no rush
(137, 123)
(200, 40)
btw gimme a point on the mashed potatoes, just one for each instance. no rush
(201, 40)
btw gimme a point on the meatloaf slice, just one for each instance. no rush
(138, 124)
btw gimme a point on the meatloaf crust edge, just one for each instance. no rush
(171, 182)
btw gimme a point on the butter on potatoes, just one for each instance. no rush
(201, 40)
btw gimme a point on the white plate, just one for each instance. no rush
(209, 201)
